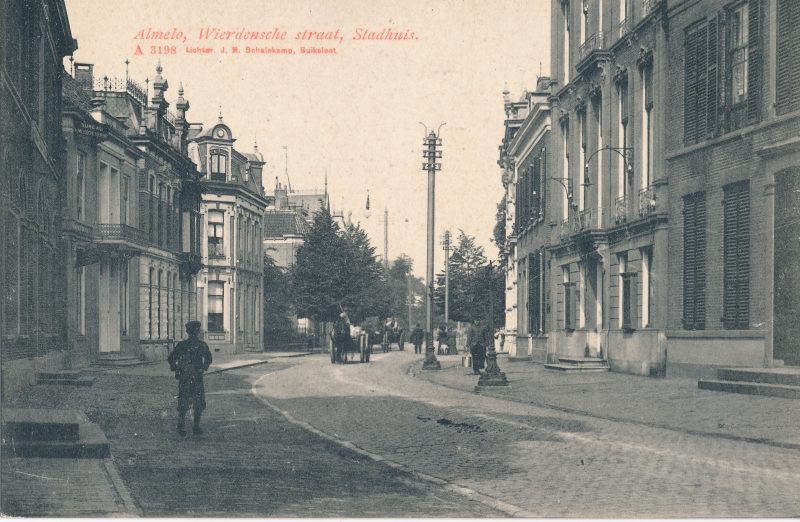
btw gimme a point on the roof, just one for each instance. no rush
(74, 95)
(280, 223)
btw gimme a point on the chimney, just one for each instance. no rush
(84, 74)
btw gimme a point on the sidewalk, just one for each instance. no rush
(68, 487)
(675, 404)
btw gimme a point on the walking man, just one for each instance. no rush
(189, 360)
(417, 336)
(477, 338)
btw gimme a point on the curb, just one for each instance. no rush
(509, 510)
(259, 363)
(131, 509)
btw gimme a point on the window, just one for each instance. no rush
(216, 300)
(216, 232)
(126, 183)
(571, 300)
(647, 127)
(623, 133)
(700, 82)
(219, 167)
(80, 294)
(787, 90)
(647, 287)
(736, 254)
(565, 9)
(629, 301)
(694, 261)
(743, 70)
(80, 186)
(583, 197)
(534, 293)
(151, 297)
(123, 295)
(160, 283)
(567, 195)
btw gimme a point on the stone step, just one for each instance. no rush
(751, 388)
(117, 361)
(51, 434)
(787, 376)
(523, 358)
(576, 368)
(583, 361)
(64, 378)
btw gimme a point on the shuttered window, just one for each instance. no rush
(543, 184)
(630, 301)
(534, 293)
(694, 261)
(736, 253)
(787, 95)
(536, 181)
(700, 82)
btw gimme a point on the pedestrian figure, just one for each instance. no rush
(477, 339)
(189, 360)
(443, 339)
(341, 336)
(417, 337)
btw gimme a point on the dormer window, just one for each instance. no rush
(219, 166)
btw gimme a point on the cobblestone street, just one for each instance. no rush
(301, 437)
(546, 462)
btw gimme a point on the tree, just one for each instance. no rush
(499, 231)
(338, 271)
(368, 295)
(278, 305)
(400, 283)
(469, 285)
(320, 273)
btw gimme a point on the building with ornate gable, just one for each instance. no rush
(230, 284)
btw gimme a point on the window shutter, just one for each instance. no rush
(630, 301)
(736, 296)
(694, 219)
(701, 85)
(535, 183)
(518, 202)
(713, 80)
(788, 57)
(754, 63)
(700, 260)
(543, 185)
(690, 73)
(533, 294)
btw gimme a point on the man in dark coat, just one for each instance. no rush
(189, 360)
(341, 336)
(478, 338)
(417, 337)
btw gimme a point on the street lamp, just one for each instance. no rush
(492, 376)
(367, 211)
(431, 141)
(446, 245)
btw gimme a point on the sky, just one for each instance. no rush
(354, 113)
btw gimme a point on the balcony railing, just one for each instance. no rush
(621, 210)
(624, 27)
(124, 233)
(117, 85)
(647, 201)
(593, 42)
(216, 250)
(588, 219)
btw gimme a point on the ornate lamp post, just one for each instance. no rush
(430, 154)
(492, 376)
